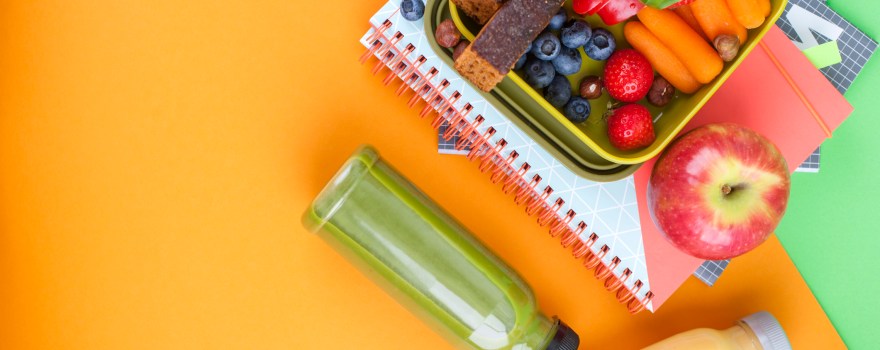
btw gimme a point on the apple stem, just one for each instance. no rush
(726, 189)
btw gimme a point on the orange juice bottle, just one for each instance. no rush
(759, 331)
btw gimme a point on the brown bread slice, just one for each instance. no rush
(480, 10)
(504, 39)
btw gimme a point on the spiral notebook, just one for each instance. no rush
(598, 222)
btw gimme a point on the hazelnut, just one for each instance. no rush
(661, 92)
(727, 46)
(459, 49)
(447, 34)
(591, 87)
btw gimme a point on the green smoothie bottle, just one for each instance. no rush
(431, 264)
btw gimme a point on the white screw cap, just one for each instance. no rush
(768, 330)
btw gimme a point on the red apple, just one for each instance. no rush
(719, 191)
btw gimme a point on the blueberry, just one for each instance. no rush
(576, 33)
(558, 92)
(546, 46)
(539, 73)
(568, 62)
(521, 62)
(557, 20)
(412, 10)
(577, 109)
(601, 46)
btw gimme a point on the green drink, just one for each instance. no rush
(431, 264)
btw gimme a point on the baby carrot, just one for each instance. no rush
(695, 53)
(765, 7)
(685, 12)
(715, 19)
(661, 58)
(749, 13)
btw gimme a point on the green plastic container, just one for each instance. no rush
(589, 139)
(429, 262)
(581, 161)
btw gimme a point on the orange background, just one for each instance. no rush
(155, 158)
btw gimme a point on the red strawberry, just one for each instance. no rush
(628, 75)
(630, 127)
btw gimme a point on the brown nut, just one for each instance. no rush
(727, 46)
(459, 49)
(447, 34)
(591, 87)
(661, 92)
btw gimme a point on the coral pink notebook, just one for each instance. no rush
(775, 91)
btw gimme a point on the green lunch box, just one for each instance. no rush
(588, 141)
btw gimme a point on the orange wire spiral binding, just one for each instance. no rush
(488, 163)
(374, 39)
(453, 118)
(373, 47)
(464, 139)
(536, 204)
(513, 181)
(624, 295)
(389, 56)
(410, 75)
(389, 44)
(406, 51)
(435, 99)
(501, 167)
(394, 73)
(398, 65)
(604, 271)
(572, 237)
(479, 142)
(612, 284)
(562, 225)
(501, 171)
(548, 215)
(583, 248)
(448, 109)
(522, 194)
(635, 305)
(593, 260)
(454, 128)
(424, 86)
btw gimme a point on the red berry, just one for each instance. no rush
(630, 127)
(628, 75)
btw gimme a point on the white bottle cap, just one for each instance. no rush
(768, 330)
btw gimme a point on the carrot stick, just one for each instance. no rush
(700, 59)
(748, 13)
(687, 15)
(765, 7)
(715, 19)
(661, 58)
